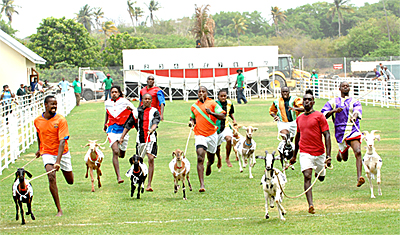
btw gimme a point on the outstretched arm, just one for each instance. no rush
(327, 137)
(296, 148)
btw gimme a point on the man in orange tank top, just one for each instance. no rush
(52, 133)
(204, 114)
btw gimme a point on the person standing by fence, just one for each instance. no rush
(314, 79)
(107, 89)
(239, 84)
(6, 98)
(63, 85)
(53, 136)
(77, 90)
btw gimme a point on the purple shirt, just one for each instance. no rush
(377, 74)
(344, 128)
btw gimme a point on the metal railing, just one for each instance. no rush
(17, 130)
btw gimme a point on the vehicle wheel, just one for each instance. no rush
(88, 95)
(279, 82)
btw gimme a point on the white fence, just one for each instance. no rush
(367, 91)
(17, 131)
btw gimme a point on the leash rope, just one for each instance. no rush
(187, 142)
(41, 175)
(316, 178)
(21, 167)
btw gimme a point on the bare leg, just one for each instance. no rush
(356, 146)
(228, 150)
(201, 153)
(307, 183)
(116, 152)
(53, 188)
(218, 153)
(210, 161)
(151, 171)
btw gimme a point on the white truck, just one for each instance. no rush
(91, 81)
(365, 69)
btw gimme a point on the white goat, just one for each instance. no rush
(372, 161)
(93, 159)
(271, 187)
(246, 147)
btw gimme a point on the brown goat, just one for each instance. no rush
(180, 168)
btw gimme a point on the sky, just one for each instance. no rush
(31, 12)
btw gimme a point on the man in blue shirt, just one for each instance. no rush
(63, 85)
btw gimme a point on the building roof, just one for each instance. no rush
(20, 48)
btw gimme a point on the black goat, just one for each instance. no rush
(22, 193)
(137, 173)
(286, 149)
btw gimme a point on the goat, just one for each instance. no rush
(137, 173)
(22, 193)
(93, 159)
(285, 149)
(246, 147)
(236, 137)
(180, 167)
(372, 161)
(271, 187)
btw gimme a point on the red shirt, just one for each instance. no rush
(154, 99)
(310, 128)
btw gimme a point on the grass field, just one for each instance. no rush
(232, 204)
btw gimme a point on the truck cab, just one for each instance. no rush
(91, 84)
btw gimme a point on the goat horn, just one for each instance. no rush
(373, 132)
(85, 146)
(365, 132)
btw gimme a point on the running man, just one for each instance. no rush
(146, 124)
(118, 110)
(158, 99)
(346, 114)
(53, 136)
(285, 110)
(204, 114)
(224, 131)
(311, 126)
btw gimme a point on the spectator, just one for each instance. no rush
(240, 87)
(39, 87)
(389, 75)
(6, 97)
(33, 84)
(63, 85)
(46, 85)
(314, 78)
(382, 70)
(109, 83)
(377, 75)
(77, 90)
(21, 91)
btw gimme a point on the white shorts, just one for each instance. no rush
(317, 163)
(290, 126)
(112, 137)
(210, 142)
(343, 147)
(221, 136)
(65, 161)
(151, 148)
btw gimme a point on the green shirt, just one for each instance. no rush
(77, 86)
(315, 78)
(108, 83)
(240, 80)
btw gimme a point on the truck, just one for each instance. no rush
(365, 69)
(91, 81)
(286, 74)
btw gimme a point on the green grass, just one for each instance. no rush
(233, 203)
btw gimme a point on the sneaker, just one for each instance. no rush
(361, 181)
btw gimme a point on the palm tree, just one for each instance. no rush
(108, 28)
(238, 25)
(8, 8)
(277, 16)
(131, 11)
(338, 7)
(85, 17)
(204, 25)
(138, 13)
(153, 6)
(98, 14)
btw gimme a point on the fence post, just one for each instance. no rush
(170, 91)
(345, 72)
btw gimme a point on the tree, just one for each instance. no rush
(8, 8)
(131, 11)
(98, 14)
(204, 25)
(238, 25)
(277, 16)
(64, 40)
(153, 6)
(85, 17)
(339, 5)
(6, 27)
(108, 28)
(112, 54)
(387, 24)
(138, 13)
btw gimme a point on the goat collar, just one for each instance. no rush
(94, 160)
(136, 171)
(22, 189)
(248, 144)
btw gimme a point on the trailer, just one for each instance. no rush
(362, 69)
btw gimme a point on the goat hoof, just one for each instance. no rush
(283, 219)
(23, 222)
(372, 196)
(272, 206)
(33, 217)
(241, 171)
(92, 189)
(184, 198)
(266, 216)
(251, 177)
(138, 197)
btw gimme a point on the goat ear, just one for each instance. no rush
(365, 133)
(266, 152)
(378, 137)
(85, 146)
(273, 153)
(131, 160)
(244, 127)
(255, 129)
(173, 154)
(28, 174)
(16, 175)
